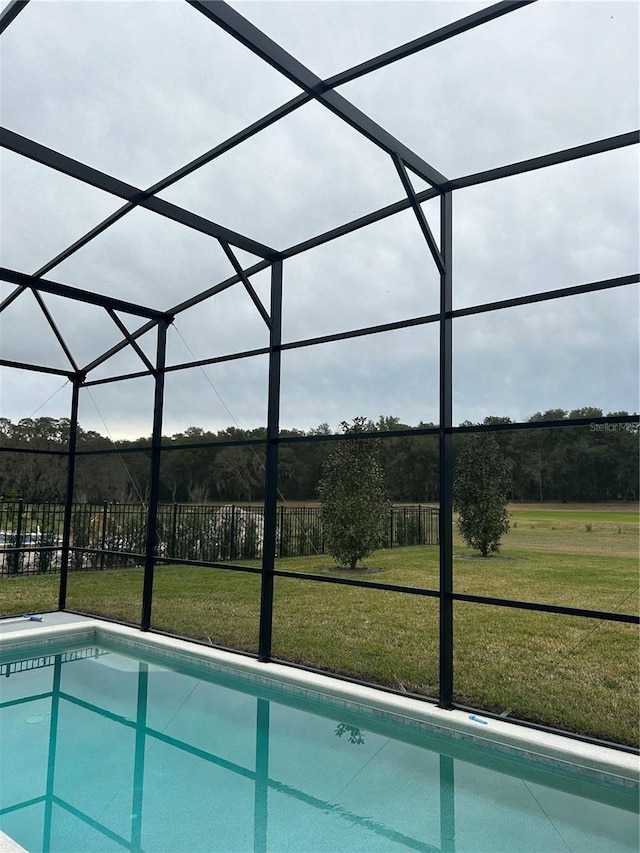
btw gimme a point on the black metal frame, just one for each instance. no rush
(402, 159)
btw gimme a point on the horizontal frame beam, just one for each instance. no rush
(411, 432)
(79, 295)
(589, 149)
(37, 368)
(547, 295)
(33, 451)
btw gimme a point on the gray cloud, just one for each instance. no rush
(138, 89)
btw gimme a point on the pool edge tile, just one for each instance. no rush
(8, 845)
(509, 738)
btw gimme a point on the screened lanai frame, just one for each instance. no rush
(406, 164)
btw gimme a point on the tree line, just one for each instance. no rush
(573, 463)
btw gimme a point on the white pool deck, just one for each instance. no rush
(8, 845)
(21, 635)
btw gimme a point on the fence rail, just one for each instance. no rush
(114, 535)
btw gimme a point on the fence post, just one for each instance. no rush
(391, 529)
(232, 533)
(281, 531)
(43, 526)
(174, 530)
(5, 559)
(103, 538)
(17, 544)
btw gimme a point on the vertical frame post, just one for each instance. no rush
(271, 473)
(154, 478)
(68, 504)
(446, 454)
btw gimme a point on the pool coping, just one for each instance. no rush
(8, 845)
(509, 738)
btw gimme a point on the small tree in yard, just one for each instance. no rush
(480, 490)
(353, 498)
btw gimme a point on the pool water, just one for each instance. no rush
(101, 751)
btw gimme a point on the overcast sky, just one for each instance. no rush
(139, 89)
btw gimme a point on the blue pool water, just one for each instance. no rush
(104, 752)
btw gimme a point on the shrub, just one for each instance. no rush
(353, 498)
(481, 487)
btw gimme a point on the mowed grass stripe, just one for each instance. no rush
(583, 516)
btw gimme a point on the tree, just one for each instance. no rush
(353, 498)
(480, 490)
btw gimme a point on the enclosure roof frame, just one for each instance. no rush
(406, 162)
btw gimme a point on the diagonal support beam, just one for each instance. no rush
(463, 25)
(178, 175)
(264, 47)
(86, 238)
(422, 220)
(54, 329)
(247, 284)
(132, 341)
(10, 298)
(118, 347)
(10, 13)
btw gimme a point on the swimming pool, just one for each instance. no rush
(112, 739)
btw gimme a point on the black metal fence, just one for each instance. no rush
(113, 535)
(30, 537)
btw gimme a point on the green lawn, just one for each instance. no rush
(577, 674)
(583, 514)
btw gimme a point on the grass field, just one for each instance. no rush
(608, 513)
(576, 674)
